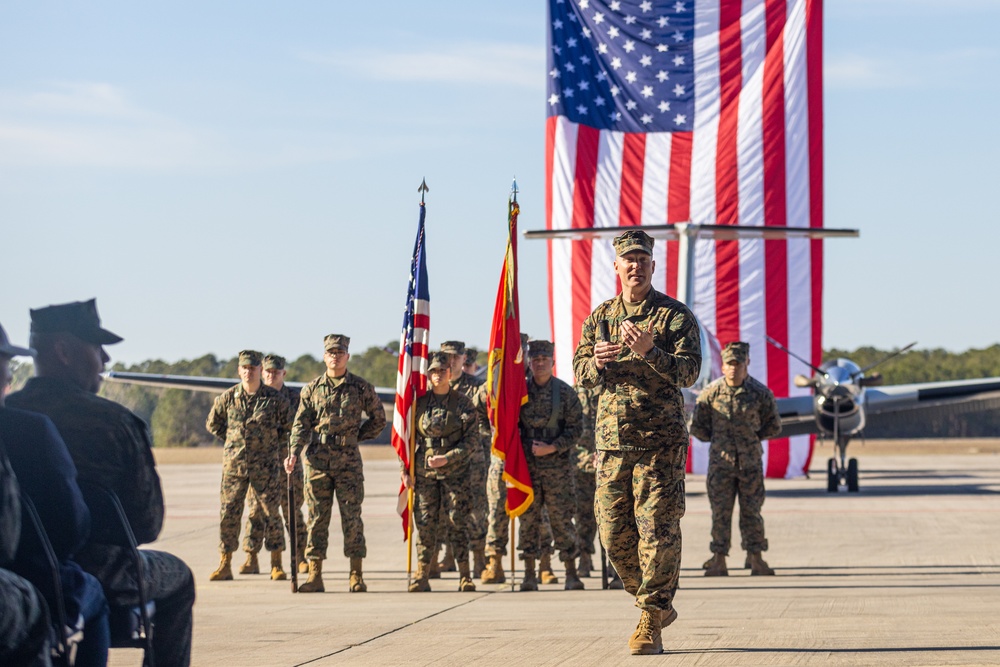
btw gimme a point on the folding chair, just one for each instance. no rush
(65, 636)
(131, 626)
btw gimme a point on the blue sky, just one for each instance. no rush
(228, 175)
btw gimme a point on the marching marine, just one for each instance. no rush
(446, 426)
(643, 346)
(328, 427)
(253, 420)
(735, 413)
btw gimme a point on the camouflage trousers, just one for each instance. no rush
(344, 478)
(726, 482)
(586, 522)
(266, 487)
(477, 520)
(498, 530)
(555, 495)
(170, 584)
(24, 622)
(441, 510)
(257, 519)
(639, 503)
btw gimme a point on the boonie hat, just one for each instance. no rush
(79, 318)
(737, 351)
(633, 239)
(336, 342)
(12, 350)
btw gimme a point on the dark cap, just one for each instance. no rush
(78, 318)
(274, 362)
(12, 350)
(736, 351)
(438, 360)
(471, 355)
(540, 348)
(250, 358)
(336, 342)
(633, 239)
(453, 347)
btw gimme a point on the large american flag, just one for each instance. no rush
(411, 378)
(708, 112)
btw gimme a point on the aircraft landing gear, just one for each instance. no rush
(838, 474)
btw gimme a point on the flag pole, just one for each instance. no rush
(409, 505)
(513, 554)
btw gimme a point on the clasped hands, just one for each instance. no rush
(637, 339)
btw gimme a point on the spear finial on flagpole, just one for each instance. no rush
(422, 189)
(513, 190)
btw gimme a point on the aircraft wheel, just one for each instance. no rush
(852, 475)
(832, 477)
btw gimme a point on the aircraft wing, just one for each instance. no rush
(218, 385)
(797, 416)
(951, 397)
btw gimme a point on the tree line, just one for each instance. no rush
(177, 416)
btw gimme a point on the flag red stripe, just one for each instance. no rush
(633, 157)
(585, 179)
(775, 213)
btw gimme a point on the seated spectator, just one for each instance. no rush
(110, 446)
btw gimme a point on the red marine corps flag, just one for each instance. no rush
(505, 379)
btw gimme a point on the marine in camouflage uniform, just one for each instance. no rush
(586, 478)
(735, 414)
(254, 423)
(328, 427)
(446, 427)
(642, 440)
(551, 423)
(274, 367)
(110, 446)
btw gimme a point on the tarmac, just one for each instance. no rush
(905, 572)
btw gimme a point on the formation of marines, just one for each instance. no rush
(606, 457)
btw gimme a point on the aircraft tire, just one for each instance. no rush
(832, 478)
(852, 475)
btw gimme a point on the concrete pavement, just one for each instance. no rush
(906, 572)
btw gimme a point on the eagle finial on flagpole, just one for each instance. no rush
(422, 189)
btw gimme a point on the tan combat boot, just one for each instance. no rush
(493, 574)
(667, 617)
(420, 584)
(757, 565)
(717, 567)
(251, 566)
(314, 584)
(357, 584)
(545, 572)
(447, 563)
(529, 583)
(303, 564)
(478, 562)
(277, 572)
(573, 582)
(465, 583)
(586, 564)
(647, 640)
(615, 582)
(225, 571)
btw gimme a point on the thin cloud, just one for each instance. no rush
(907, 69)
(490, 63)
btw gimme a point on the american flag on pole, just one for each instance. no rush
(708, 111)
(411, 379)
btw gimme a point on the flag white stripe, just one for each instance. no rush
(563, 173)
(655, 186)
(607, 204)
